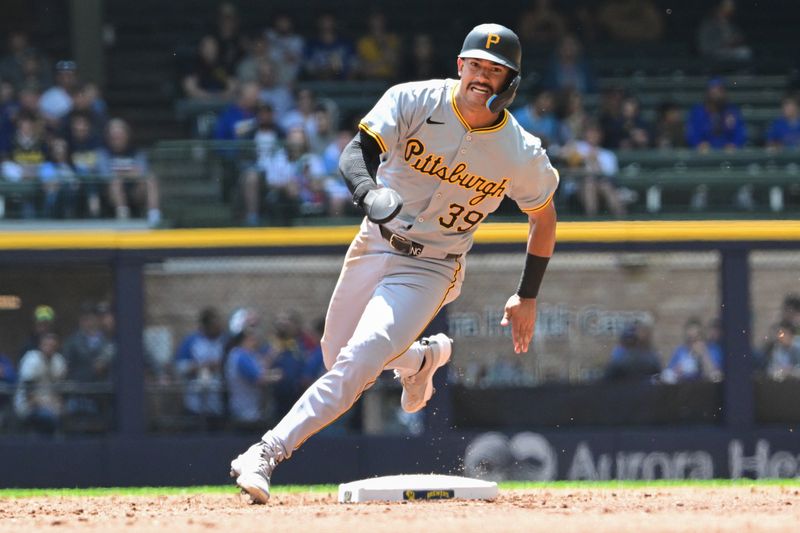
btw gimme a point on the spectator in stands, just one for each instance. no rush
(28, 98)
(692, 360)
(598, 167)
(267, 138)
(715, 123)
(569, 69)
(198, 362)
(790, 313)
(85, 148)
(305, 338)
(28, 152)
(325, 130)
(339, 196)
(56, 101)
(784, 132)
(229, 39)
(331, 153)
(714, 341)
(635, 132)
(60, 186)
(329, 56)
(209, 78)
(314, 365)
(719, 38)
(539, 118)
(43, 323)
(89, 353)
(540, 25)
(8, 110)
(131, 183)
(246, 370)
(286, 48)
(304, 115)
(378, 50)
(268, 135)
(35, 71)
(238, 120)
(278, 96)
(22, 63)
(634, 358)
(422, 62)
(670, 130)
(572, 116)
(293, 179)
(631, 21)
(610, 117)
(108, 320)
(8, 374)
(782, 352)
(8, 378)
(38, 402)
(247, 69)
(87, 101)
(289, 361)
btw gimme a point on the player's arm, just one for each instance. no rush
(520, 310)
(358, 165)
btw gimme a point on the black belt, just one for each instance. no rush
(406, 246)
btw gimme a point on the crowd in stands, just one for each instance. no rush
(57, 137)
(57, 134)
(58, 382)
(231, 374)
(265, 75)
(699, 357)
(239, 374)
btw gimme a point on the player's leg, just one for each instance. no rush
(362, 271)
(404, 302)
(412, 359)
(401, 307)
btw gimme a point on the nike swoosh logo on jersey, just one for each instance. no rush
(430, 121)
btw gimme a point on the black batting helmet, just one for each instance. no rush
(495, 43)
(501, 45)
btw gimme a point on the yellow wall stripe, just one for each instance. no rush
(622, 231)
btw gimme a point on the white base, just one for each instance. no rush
(416, 487)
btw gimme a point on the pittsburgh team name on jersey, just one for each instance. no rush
(431, 164)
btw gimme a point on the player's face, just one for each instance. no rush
(481, 78)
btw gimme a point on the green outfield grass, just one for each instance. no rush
(332, 489)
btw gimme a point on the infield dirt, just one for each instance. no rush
(735, 509)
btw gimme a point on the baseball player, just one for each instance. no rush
(431, 160)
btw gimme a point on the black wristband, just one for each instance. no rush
(532, 276)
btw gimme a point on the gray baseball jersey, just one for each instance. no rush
(449, 175)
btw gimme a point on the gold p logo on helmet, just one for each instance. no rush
(491, 39)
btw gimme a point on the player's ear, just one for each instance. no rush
(459, 65)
